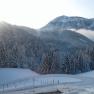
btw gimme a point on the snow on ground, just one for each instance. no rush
(16, 79)
(28, 82)
(12, 74)
(61, 78)
(87, 74)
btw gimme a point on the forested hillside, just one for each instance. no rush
(58, 51)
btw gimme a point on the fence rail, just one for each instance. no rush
(27, 83)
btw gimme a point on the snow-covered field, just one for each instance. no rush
(24, 81)
(87, 74)
(8, 75)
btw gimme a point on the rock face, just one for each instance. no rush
(52, 49)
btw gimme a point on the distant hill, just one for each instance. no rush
(45, 50)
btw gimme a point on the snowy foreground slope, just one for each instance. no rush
(24, 81)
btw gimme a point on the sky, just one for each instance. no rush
(37, 13)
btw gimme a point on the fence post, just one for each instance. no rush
(3, 87)
(58, 82)
(33, 79)
(53, 82)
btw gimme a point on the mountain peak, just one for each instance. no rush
(70, 22)
(62, 18)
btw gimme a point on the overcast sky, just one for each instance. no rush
(37, 13)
